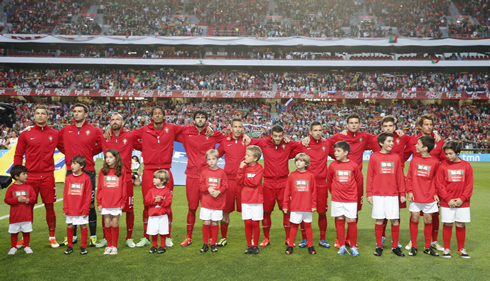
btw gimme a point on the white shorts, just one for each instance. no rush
(349, 210)
(25, 226)
(157, 225)
(210, 214)
(427, 208)
(450, 215)
(111, 211)
(298, 217)
(76, 220)
(385, 207)
(253, 212)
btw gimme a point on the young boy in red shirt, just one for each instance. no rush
(77, 196)
(344, 180)
(249, 179)
(158, 200)
(385, 183)
(21, 198)
(212, 184)
(454, 183)
(300, 200)
(421, 191)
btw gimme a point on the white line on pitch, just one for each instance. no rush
(38, 206)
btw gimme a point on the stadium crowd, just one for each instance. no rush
(468, 124)
(173, 79)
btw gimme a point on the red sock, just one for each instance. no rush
(27, 239)
(224, 229)
(50, 219)
(303, 233)
(191, 220)
(460, 236)
(129, 225)
(145, 223)
(378, 230)
(287, 224)
(108, 235)
(447, 232)
(353, 233)
(69, 236)
(385, 224)
(248, 232)
(103, 227)
(13, 239)
(84, 233)
(115, 236)
(205, 233)
(163, 238)
(154, 240)
(414, 231)
(266, 225)
(309, 233)
(395, 234)
(435, 226)
(340, 226)
(322, 224)
(427, 234)
(170, 216)
(292, 233)
(256, 232)
(215, 232)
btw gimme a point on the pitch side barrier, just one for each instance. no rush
(246, 94)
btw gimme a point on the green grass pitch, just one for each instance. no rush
(230, 262)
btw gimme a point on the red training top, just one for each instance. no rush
(385, 175)
(455, 180)
(77, 195)
(234, 152)
(162, 207)
(344, 181)
(124, 143)
(276, 159)
(111, 190)
(421, 178)
(398, 147)
(318, 151)
(436, 152)
(249, 178)
(217, 180)
(300, 192)
(20, 212)
(358, 142)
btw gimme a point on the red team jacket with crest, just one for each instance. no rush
(436, 152)
(124, 143)
(159, 144)
(249, 178)
(234, 152)
(73, 142)
(455, 180)
(196, 144)
(344, 181)
(111, 190)
(20, 212)
(217, 180)
(399, 146)
(318, 151)
(276, 159)
(38, 146)
(421, 178)
(385, 175)
(162, 207)
(358, 142)
(300, 192)
(77, 195)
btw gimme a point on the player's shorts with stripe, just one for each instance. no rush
(46, 186)
(130, 193)
(385, 207)
(273, 192)
(450, 215)
(299, 217)
(347, 209)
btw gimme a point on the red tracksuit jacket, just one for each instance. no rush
(455, 180)
(300, 192)
(421, 179)
(344, 181)
(318, 151)
(196, 144)
(73, 142)
(124, 143)
(162, 207)
(111, 190)
(436, 152)
(359, 142)
(234, 152)
(38, 146)
(158, 144)
(20, 212)
(385, 175)
(249, 178)
(77, 195)
(218, 181)
(399, 146)
(276, 159)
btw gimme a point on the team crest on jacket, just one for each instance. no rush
(397, 141)
(360, 139)
(50, 138)
(125, 141)
(166, 130)
(323, 147)
(283, 146)
(87, 132)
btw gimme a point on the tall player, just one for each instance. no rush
(425, 124)
(124, 142)
(196, 143)
(38, 145)
(81, 138)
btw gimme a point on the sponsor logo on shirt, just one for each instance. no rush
(387, 167)
(21, 193)
(76, 188)
(33, 138)
(456, 175)
(111, 181)
(423, 170)
(302, 185)
(344, 176)
(250, 175)
(214, 182)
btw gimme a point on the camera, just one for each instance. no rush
(7, 114)
(5, 181)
